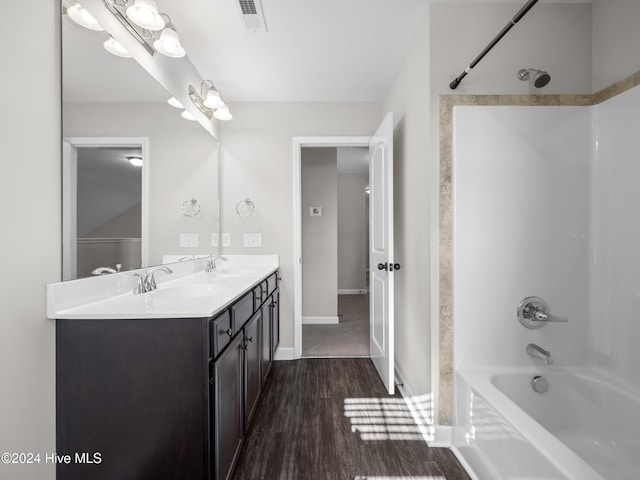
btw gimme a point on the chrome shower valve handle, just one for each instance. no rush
(533, 313)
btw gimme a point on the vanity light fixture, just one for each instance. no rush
(142, 20)
(135, 160)
(82, 17)
(209, 101)
(114, 47)
(174, 103)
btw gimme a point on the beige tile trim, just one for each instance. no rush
(447, 102)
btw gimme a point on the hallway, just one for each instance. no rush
(349, 338)
(332, 419)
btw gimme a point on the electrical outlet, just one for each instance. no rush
(215, 240)
(252, 240)
(189, 240)
(226, 239)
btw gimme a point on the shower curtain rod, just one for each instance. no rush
(523, 11)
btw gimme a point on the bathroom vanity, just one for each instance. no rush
(164, 384)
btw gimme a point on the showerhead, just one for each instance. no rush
(540, 78)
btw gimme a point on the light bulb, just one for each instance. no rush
(115, 48)
(213, 100)
(174, 103)
(144, 13)
(223, 114)
(82, 17)
(169, 44)
(187, 115)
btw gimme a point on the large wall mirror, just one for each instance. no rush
(134, 170)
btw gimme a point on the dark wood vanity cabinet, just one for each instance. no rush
(167, 399)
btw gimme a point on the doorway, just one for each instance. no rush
(334, 222)
(104, 205)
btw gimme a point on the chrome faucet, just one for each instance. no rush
(536, 351)
(147, 282)
(533, 313)
(211, 264)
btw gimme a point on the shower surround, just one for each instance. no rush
(543, 202)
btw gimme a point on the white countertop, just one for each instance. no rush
(188, 292)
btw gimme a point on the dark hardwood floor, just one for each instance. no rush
(332, 419)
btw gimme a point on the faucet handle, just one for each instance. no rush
(533, 313)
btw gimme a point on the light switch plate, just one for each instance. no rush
(252, 240)
(226, 239)
(315, 211)
(215, 239)
(189, 240)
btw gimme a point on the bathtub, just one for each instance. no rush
(583, 428)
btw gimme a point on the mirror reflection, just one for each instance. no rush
(115, 213)
(109, 210)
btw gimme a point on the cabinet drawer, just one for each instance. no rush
(272, 283)
(241, 311)
(221, 333)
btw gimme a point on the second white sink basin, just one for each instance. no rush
(195, 290)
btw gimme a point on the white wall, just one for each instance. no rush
(353, 249)
(256, 161)
(615, 41)
(183, 164)
(521, 186)
(414, 207)
(614, 323)
(551, 37)
(319, 188)
(30, 243)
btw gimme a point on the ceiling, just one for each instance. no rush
(325, 50)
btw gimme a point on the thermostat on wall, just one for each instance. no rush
(315, 211)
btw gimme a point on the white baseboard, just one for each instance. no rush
(284, 353)
(320, 320)
(353, 291)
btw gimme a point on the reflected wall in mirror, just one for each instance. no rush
(106, 97)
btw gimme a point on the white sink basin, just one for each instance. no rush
(195, 290)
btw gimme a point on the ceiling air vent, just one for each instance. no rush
(251, 15)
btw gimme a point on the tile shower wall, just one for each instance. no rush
(614, 321)
(521, 187)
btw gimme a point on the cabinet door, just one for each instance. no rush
(265, 347)
(275, 321)
(252, 344)
(227, 407)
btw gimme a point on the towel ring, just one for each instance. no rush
(191, 208)
(245, 208)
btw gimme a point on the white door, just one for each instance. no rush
(381, 262)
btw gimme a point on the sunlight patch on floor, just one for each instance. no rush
(420, 477)
(391, 419)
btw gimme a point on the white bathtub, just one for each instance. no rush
(583, 428)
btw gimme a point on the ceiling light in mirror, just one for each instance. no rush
(134, 160)
(79, 14)
(174, 103)
(114, 47)
(223, 114)
(144, 13)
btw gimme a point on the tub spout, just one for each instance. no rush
(536, 351)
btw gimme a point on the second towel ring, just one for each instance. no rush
(191, 208)
(245, 208)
